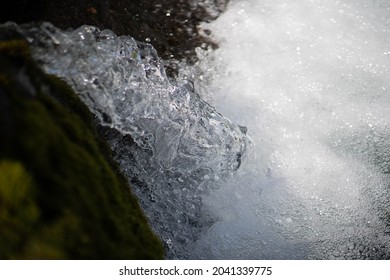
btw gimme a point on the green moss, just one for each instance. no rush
(15, 183)
(18, 211)
(61, 194)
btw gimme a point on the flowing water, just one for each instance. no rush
(305, 175)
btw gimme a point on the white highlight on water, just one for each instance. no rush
(310, 79)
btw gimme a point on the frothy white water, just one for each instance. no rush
(311, 81)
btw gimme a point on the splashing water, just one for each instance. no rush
(311, 81)
(180, 146)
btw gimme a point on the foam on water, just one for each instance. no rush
(311, 81)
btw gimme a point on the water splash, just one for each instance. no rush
(179, 146)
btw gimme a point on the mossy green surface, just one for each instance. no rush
(61, 195)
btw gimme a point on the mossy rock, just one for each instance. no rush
(61, 194)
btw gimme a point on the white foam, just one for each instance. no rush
(310, 80)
